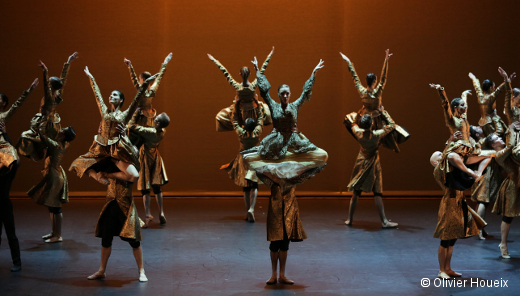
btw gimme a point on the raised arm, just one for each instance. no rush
(382, 82)
(360, 88)
(128, 113)
(448, 115)
(263, 86)
(464, 97)
(9, 113)
(133, 76)
(157, 81)
(47, 91)
(476, 85)
(508, 106)
(228, 76)
(387, 128)
(307, 87)
(97, 93)
(264, 66)
(65, 72)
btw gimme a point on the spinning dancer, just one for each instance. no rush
(372, 97)
(9, 163)
(248, 116)
(284, 159)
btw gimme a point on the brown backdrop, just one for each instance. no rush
(432, 41)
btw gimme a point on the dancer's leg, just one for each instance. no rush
(504, 232)
(378, 199)
(147, 210)
(447, 265)
(481, 211)
(352, 208)
(138, 255)
(105, 254)
(128, 172)
(274, 268)
(457, 161)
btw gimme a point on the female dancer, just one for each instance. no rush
(372, 97)
(9, 163)
(146, 118)
(112, 147)
(245, 108)
(464, 151)
(367, 175)
(30, 144)
(284, 159)
(152, 174)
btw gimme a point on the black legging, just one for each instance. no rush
(448, 243)
(508, 220)
(156, 190)
(7, 216)
(249, 188)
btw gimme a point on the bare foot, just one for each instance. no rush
(348, 222)
(283, 280)
(271, 280)
(97, 275)
(452, 273)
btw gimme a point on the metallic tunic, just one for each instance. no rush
(367, 175)
(512, 112)
(508, 199)
(489, 119)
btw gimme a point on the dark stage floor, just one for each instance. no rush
(207, 249)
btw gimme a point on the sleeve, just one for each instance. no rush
(262, 70)
(478, 90)
(387, 128)
(43, 132)
(264, 87)
(508, 106)
(16, 104)
(307, 91)
(128, 113)
(497, 91)
(234, 118)
(157, 81)
(47, 99)
(357, 131)
(63, 79)
(99, 99)
(382, 80)
(133, 77)
(448, 115)
(133, 120)
(228, 76)
(360, 88)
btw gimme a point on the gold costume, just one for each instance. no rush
(508, 199)
(455, 123)
(30, 145)
(366, 175)
(372, 102)
(512, 112)
(53, 190)
(152, 166)
(486, 189)
(489, 121)
(121, 192)
(8, 155)
(109, 143)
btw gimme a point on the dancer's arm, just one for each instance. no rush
(264, 66)
(133, 76)
(387, 128)
(97, 93)
(44, 134)
(508, 106)
(64, 73)
(448, 115)
(476, 85)
(157, 81)
(259, 121)
(9, 113)
(307, 87)
(360, 88)
(234, 120)
(263, 86)
(228, 76)
(47, 91)
(384, 72)
(128, 113)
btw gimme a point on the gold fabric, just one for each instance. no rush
(283, 211)
(489, 120)
(53, 190)
(508, 199)
(512, 112)
(8, 155)
(486, 189)
(121, 192)
(109, 143)
(367, 175)
(152, 170)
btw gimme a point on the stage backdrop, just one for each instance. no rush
(432, 41)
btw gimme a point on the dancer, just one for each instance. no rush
(464, 151)
(53, 190)
(152, 174)
(367, 175)
(372, 97)
(110, 146)
(30, 145)
(284, 159)
(9, 163)
(490, 121)
(248, 116)
(148, 113)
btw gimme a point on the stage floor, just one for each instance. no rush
(206, 248)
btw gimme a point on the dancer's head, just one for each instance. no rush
(436, 158)
(365, 122)
(458, 106)
(55, 83)
(162, 120)
(143, 76)
(488, 86)
(284, 93)
(244, 73)
(249, 124)
(117, 98)
(495, 142)
(4, 101)
(371, 80)
(475, 132)
(516, 97)
(68, 134)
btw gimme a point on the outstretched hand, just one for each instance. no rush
(88, 72)
(344, 57)
(255, 62)
(467, 92)
(168, 58)
(272, 51)
(456, 136)
(436, 86)
(42, 65)
(73, 57)
(34, 84)
(127, 62)
(319, 66)
(502, 73)
(388, 54)
(513, 76)
(472, 76)
(211, 57)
